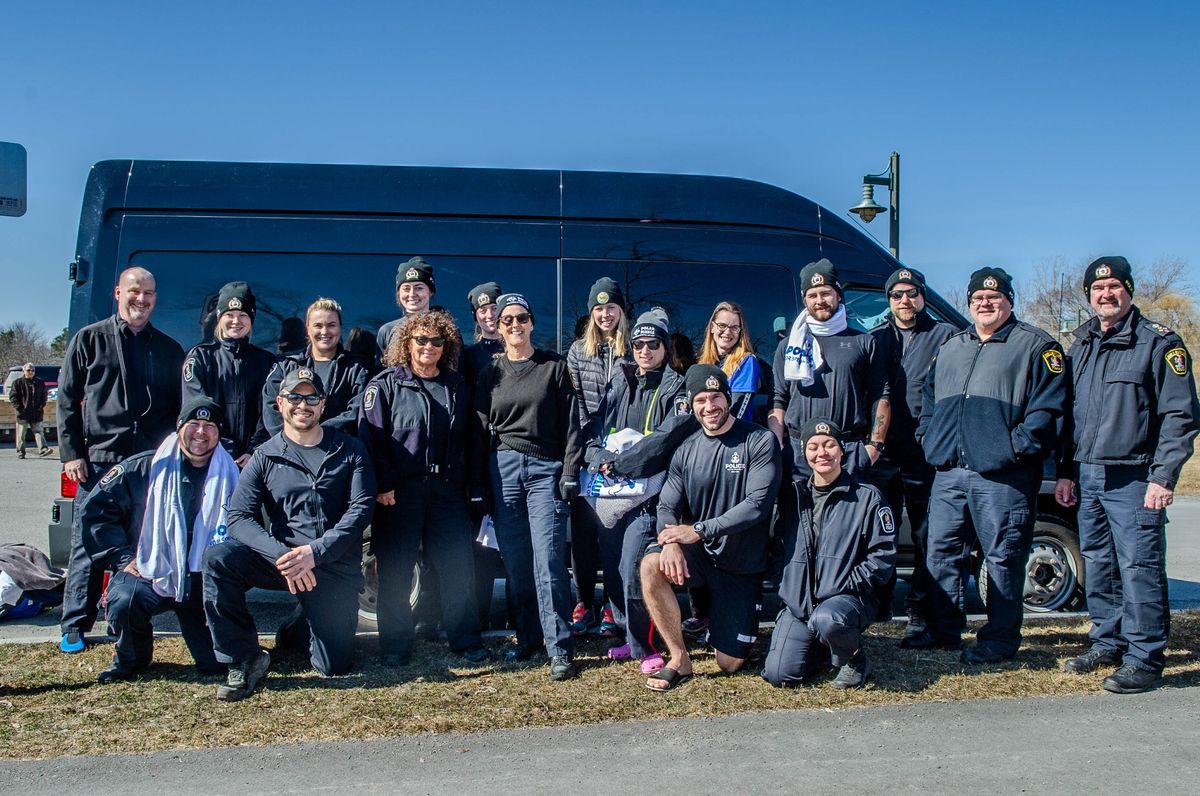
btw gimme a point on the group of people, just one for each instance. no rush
(656, 464)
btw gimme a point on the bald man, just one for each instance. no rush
(118, 395)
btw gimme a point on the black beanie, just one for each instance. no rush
(905, 276)
(991, 279)
(605, 291)
(200, 408)
(483, 295)
(1108, 268)
(236, 296)
(819, 274)
(651, 323)
(415, 270)
(818, 426)
(706, 378)
(508, 299)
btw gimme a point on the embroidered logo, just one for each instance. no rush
(304, 373)
(189, 368)
(735, 464)
(822, 428)
(235, 303)
(369, 397)
(1103, 272)
(816, 280)
(601, 297)
(112, 475)
(905, 274)
(412, 273)
(203, 414)
(1053, 360)
(712, 383)
(682, 407)
(483, 300)
(990, 283)
(1177, 358)
(887, 520)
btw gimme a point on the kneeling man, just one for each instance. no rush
(840, 547)
(714, 517)
(318, 490)
(150, 519)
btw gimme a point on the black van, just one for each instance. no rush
(299, 231)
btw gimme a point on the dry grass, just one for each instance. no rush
(1189, 479)
(50, 704)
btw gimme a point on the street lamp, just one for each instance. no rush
(867, 209)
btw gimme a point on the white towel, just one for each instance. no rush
(163, 555)
(802, 357)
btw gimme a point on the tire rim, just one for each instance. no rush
(1050, 578)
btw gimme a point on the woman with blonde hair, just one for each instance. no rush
(727, 345)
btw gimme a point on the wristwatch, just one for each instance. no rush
(698, 527)
(877, 445)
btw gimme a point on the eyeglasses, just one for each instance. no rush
(727, 327)
(295, 398)
(911, 293)
(436, 342)
(653, 345)
(509, 320)
(978, 300)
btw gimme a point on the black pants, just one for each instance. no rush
(85, 578)
(331, 608)
(907, 484)
(132, 605)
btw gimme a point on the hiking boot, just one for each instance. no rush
(608, 623)
(855, 673)
(928, 641)
(581, 619)
(562, 668)
(1129, 679)
(916, 626)
(243, 678)
(1092, 660)
(72, 642)
(116, 674)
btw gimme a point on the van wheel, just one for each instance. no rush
(368, 598)
(1054, 571)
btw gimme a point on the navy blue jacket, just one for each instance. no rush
(642, 402)
(343, 393)
(111, 514)
(232, 373)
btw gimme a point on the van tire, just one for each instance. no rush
(1054, 578)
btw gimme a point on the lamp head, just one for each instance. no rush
(867, 209)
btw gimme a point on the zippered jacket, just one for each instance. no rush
(232, 373)
(644, 403)
(591, 376)
(908, 355)
(343, 393)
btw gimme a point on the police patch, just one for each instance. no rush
(1103, 272)
(712, 383)
(1053, 360)
(189, 369)
(817, 280)
(304, 373)
(601, 297)
(235, 303)
(905, 274)
(1177, 358)
(412, 273)
(822, 428)
(203, 414)
(483, 300)
(990, 283)
(682, 407)
(369, 397)
(886, 520)
(112, 475)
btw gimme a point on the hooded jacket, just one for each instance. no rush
(232, 373)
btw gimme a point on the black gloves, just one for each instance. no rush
(568, 487)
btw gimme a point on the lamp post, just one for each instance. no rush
(867, 209)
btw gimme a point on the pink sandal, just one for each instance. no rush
(653, 664)
(621, 653)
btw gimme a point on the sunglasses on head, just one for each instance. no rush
(436, 342)
(295, 398)
(653, 345)
(509, 320)
(911, 293)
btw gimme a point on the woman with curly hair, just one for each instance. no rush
(414, 421)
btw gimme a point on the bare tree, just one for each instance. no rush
(22, 342)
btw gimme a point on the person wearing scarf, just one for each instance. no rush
(150, 519)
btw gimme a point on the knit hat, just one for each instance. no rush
(605, 291)
(652, 323)
(483, 295)
(818, 427)
(236, 296)
(706, 378)
(415, 270)
(905, 276)
(301, 376)
(200, 408)
(1108, 268)
(509, 299)
(819, 274)
(991, 279)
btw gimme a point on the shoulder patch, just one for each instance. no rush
(189, 369)
(369, 397)
(1177, 358)
(1054, 360)
(112, 475)
(886, 520)
(681, 406)
(1158, 327)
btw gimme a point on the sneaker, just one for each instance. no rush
(855, 673)
(44, 452)
(608, 623)
(515, 653)
(20, 454)
(562, 668)
(72, 642)
(115, 674)
(621, 653)
(916, 626)
(581, 619)
(1129, 679)
(477, 655)
(695, 627)
(243, 678)
(1092, 660)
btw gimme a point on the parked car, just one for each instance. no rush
(298, 231)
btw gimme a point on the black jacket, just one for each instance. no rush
(850, 550)
(394, 424)
(29, 399)
(476, 357)
(328, 509)
(111, 514)
(1134, 399)
(109, 407)
(908, 355)
(343, 393)
(232, 373)
(644, 403)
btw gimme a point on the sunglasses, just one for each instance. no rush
(509, 320)
(436, 342)
(653, 345)
(911, 293)
(727, 327)
(295, 398)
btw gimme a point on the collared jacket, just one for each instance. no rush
(908, 354)
(994, 404)
(591, 376)
(1134, 399)
(328, 509)
(849, 549)
(111, 514)
(29, 399)
(643, 402)
(343, 393)
(232, 373)
(394, 424)
(110, 408)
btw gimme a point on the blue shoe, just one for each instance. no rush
(72, 642)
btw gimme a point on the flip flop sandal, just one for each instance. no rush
(653, 664)
(672, 678)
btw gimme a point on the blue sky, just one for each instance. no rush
(1028, 130)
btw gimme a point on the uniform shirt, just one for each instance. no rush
(1134, 399)
(232, 373)
(728, 483)
(844, 389)
(908, 354)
